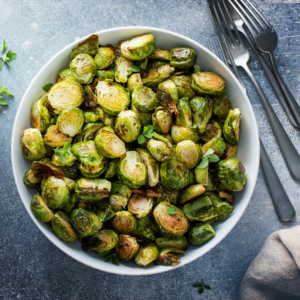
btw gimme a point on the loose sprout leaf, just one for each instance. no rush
(3, 102)
(135, 68)
(113, 71)
(47, 87)
(171, 210)
(213, 158)
(141, 139)
(115, 187)
(196, 68)
(207, 286)
(204, 162)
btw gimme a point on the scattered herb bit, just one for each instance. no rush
(63, 152)
(110, 257)
(147, 133)
(47, 87)
(171, 211)
(135, 68)
(141, 139)
(115, 187)
(3, 91)
(8, 56)
(208, 157)
(113, 71)
(196, 68)
(201, 286)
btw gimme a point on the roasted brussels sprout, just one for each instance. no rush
(232, 174)
(140, 205)
(70, 121)
(88, 132)
(167, 258)
(104, 57)
(208, 83)
(170, 224)
(56, 159)
(124, 222)
(128, 126)
(139, 47)
(40, 116)
(71, 205)
(66, 73)
(212, 131)
(55, 138)
(104, 240)
(43, 169)
(106, 75)
(30, 180)
(202, 107)
(157, 63)
(92, 116)
(62, 227)
(88, 46)
(127, 247)
(184, 116)
(183, 57)
(159, 150)
(55, 192)
(109, 144)
(162, 54)
(70, 183)
(33, 146)
(231, 151)
(167, 195)
(178, 243)
(142, 64)
(146, 229)
(202, 175)
(109, 120)
(162, 120)
(131, 171)
(222, 106)
(183, 83)
(85, 222)
(180, 134)
(70, 171)
(231, 128)
(144, 99)
(111, 169)
(118, 200)
(147, 254)
(188, 153)
(122, 69)
(200, 233)
(218, 145)
(40, 210)
(168, 95)
(92, 190)
(112, 97)
(134, 81)
(157, 75)
(151, 165)
(66, 94)
(105, 213)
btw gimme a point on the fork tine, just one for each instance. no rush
(209, 46)
(216, 49)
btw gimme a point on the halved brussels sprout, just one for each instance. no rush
(202, 107)
(66, 73)
(89, 171)
(145, 118)
(147, 254)
(232, 174)
(33, 146)
(112, 97)
(140, 205)
(122, 69)
(170, 224)
(157, 63)
(85, 222)
(231, 151)
(70, 121)
(142, 64)
(109, 120)
(184, 116)
(162, 120)
(183, 57)
(208, 83)
(40, 116)
(66, 94)
(109, 144)
(212, 131)
(55, 138)
(56, 159)
(88, 46)
(183, 83)
(159, 150)
(118, 202)
(107, 75)
(222, 106)
(167, 195)
(91, 100)
(200, 233)
(188, 153)
(218, 145)
(131, 171)
(202, 175)
(152, 166)
(70, 171)
(127, 247)
(30, 180)
(104, 57)
(139, 47)
(190, 193)
(92, 116)
(84, 67)
(71, 205)
(105, 213)
(162, 54)
(87, 154)
(104, 240)
(55, 192)
(128, 126)
(178, 243)
(167, 258)
(124, 222)
(175, 175)
(134, 81)
(168, 95)
(231, 128)
(70, 183)
(144, 99)
(88, 132)
(62, 227)
(146, 230)
(40, 210)
(92, 190)
(157, 75)
(43, 169)
(111, 169)
(180, 134)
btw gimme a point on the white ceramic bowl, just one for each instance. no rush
(248, 151)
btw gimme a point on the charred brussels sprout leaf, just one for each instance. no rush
(180, 134)
(162, 54)
(104, 57)
(183, 57)
(231, 151)
(127, 247)
(178, 243)
(184, 116)
(88, 46)
(167, 195)
(157, 75)
(200, 233)
(88, 132)
(162, 120)
(222, 106)
(104, 240)
(188, 153)
(124, 222)
(111, 169)
(167, 257)
(190, 193)
(140, 205)
(70, 121)
(123, 69)
(93, 116)
(168, 95)
(55, 138)
(144, 99)
(62, 227)
(212, 131)
(183, 83)
(147, 254)
(231, 128)
(40, 210)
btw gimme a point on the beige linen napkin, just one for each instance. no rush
(275, 272)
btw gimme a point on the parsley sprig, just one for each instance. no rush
(135, 68)
(115, 187)
(171, 210)
(196, 68)
(3, 91)
(8, 56)
(63, 152)
(47, 87)
(208, 157)
(201, 285)
(147, 133)
(110, 257)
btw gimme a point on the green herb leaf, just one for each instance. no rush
(171, 211)
(1, 65)
(67, 146)
(135, 69)
(115, 187)
(113, 71)
(204, 162)
(47, 87)
(148, 135)
(12, 56)
(104, 254)
(213, 158)
(108, 258)
(196, 68)
(63, 158)
(207, 286)
(141, 139)
(3, 102)
(209, 152)
(115, 259)
(196, 285)
(201, 290)
(4, 45)
(148, 129)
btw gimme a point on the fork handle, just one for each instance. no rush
(283, 206)
(289, 153)
(286, 92)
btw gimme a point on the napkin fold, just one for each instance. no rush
(275, 273)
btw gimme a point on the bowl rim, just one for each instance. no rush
(225, 231)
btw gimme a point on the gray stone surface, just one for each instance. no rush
(30, 266)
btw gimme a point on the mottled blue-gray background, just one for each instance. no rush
(30, 266)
